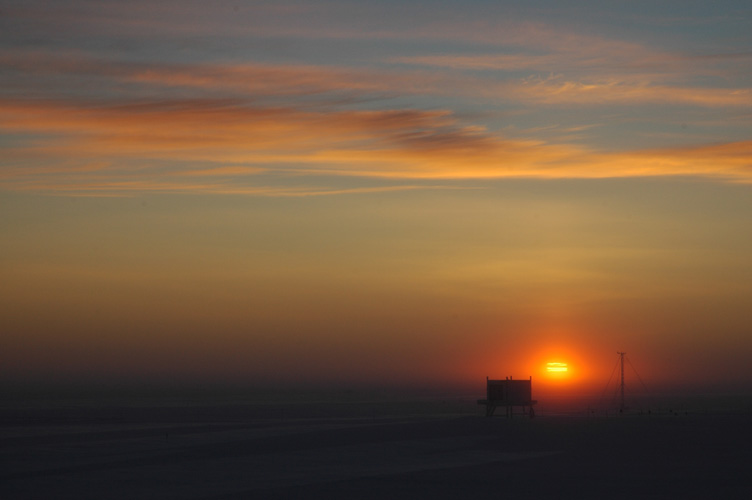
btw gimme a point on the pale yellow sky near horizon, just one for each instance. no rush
(401, 287)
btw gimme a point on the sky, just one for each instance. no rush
(350, 193)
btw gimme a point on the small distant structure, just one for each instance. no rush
(622, 407)
(509, 393)
(620, 385)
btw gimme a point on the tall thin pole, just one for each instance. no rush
(621, 360)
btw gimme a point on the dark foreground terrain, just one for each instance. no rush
(225, 452)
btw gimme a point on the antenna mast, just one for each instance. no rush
(621, 360)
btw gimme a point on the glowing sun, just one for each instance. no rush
(557, 369)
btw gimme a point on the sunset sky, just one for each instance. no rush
(345, 193)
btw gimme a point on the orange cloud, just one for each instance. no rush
(138, 146)
(585, 73)
(561, 91)
(247, 79)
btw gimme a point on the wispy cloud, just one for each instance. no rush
(165, 146)
(77, 116)
(598, 72)
(634, 62)
(558, 90)
(247, 79)
(280, 83)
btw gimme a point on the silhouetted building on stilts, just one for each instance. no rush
(509, 394)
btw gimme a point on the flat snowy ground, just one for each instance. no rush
(219, 452)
